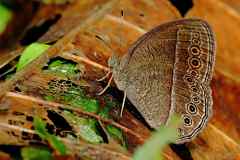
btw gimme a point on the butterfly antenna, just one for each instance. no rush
(106, 44)
(123, 103)
(122, 19)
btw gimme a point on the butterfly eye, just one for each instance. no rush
(187, 120)
(195, 62)
(192, 108)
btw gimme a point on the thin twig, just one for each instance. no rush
(5, 125)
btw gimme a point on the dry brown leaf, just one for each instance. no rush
(235, 4)
(213, 144)
(226, 105)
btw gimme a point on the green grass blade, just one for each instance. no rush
(153, 147)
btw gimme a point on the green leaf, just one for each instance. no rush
(49, 98)
(104, 113)
(33, 153)
(40, 128)
(153, 147)
(30, 53)
(86, 128)
(76, 91)
(72, 94)
(116, 133)
(63, 68)
(5, 16)
(57, 144)
(87, 104)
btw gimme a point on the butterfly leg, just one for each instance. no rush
(123, 103)
(104, 77)
(108, 85)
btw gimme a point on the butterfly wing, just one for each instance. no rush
(191, 92)
(168, 70)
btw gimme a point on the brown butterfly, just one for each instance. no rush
(168, 71)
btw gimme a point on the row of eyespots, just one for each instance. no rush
(194, 63)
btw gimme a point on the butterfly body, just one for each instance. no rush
(168, 71)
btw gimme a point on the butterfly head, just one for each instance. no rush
(114, 61)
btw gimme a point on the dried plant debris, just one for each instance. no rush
(57, 123)
(65, 122)
(29, 54)
(9, 69)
